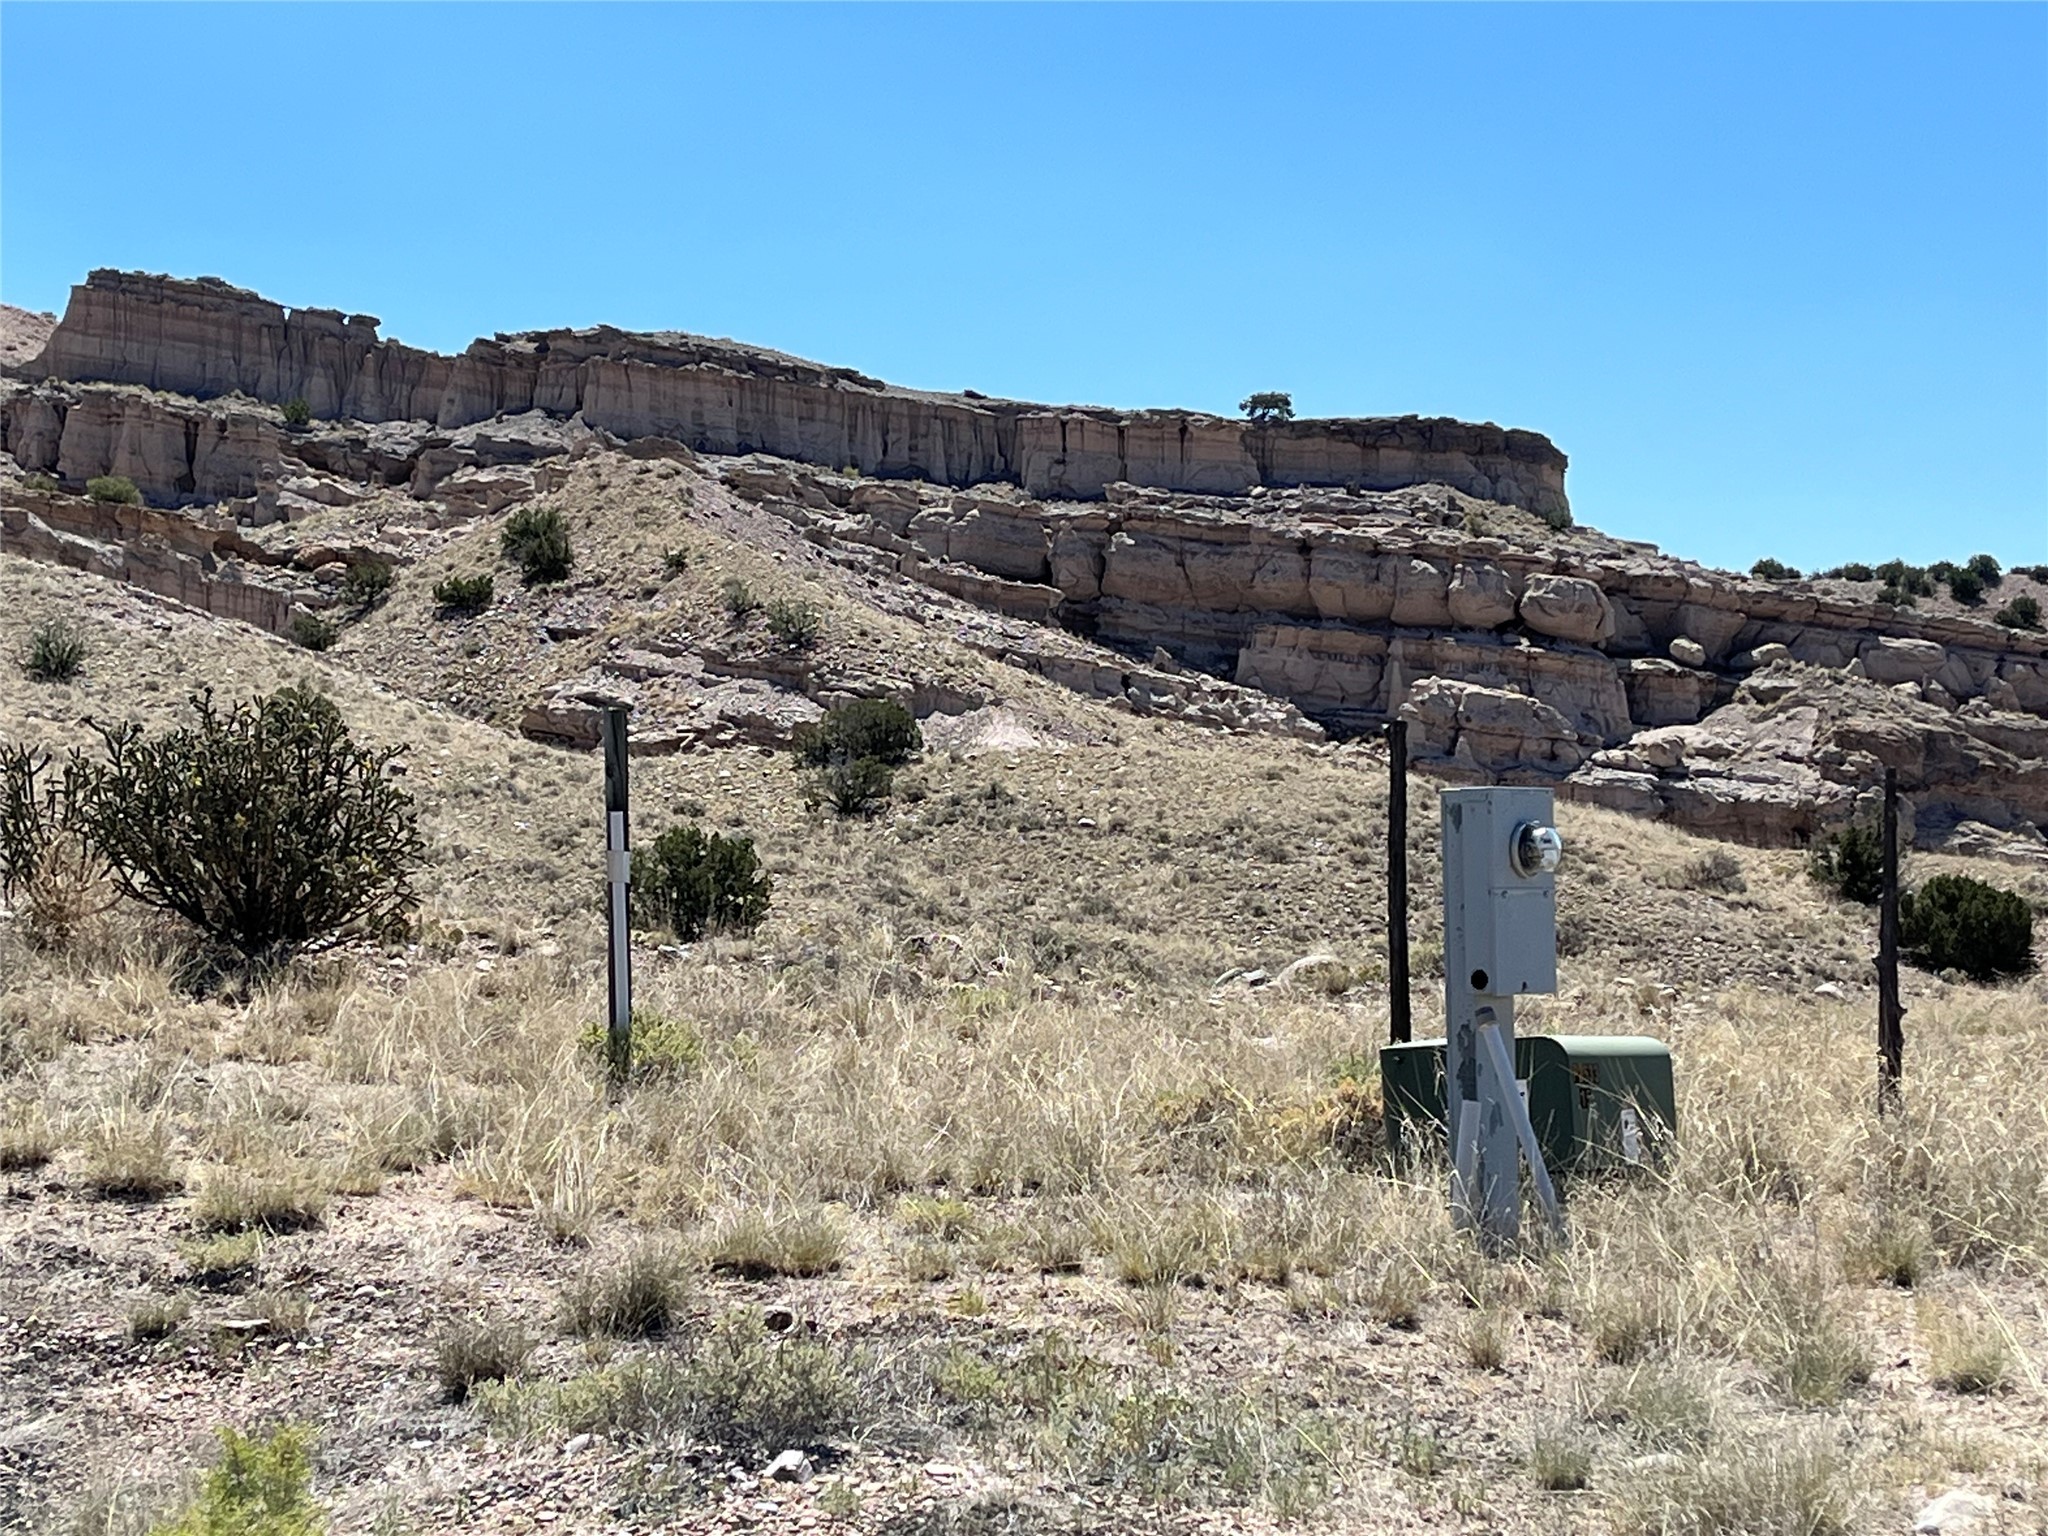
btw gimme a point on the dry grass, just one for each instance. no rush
(973, 1086)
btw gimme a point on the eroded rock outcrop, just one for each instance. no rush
(205, 338)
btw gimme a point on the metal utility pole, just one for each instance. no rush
(1891, 1015)
(1400, 1021)
(618, 873)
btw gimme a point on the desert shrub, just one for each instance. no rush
(265, 826)
(1986, 568)
(758, 1244)
(1715, 870)
(1956, 923)
(880, 729)
(851, 751)
(1267, 406)
(536, 539)
(697, 883)
(1968, 1350)
(1557, 518)
(262, 1487)
(1913, 580)
(465, 594)
(736, 1386)
(1850, 863)
(276, 1197)
(1966, 586)
(738, 597)
(635, 1294)
(857, 788)
(1774, 570)
(56, 651)
(675, 561)
(296, 412)
(1855, 570)
(313, 632)
(2023, 612)
(797, 625)
(365, 583)
(156, 1317)
(664, 1049)
(1896, 597)
(118, 489)
(58, 877)
(40, 482)
(480, 1349)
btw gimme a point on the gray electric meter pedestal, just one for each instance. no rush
(1500, 853)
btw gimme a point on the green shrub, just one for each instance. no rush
(797, 625)
(1896, 597)
(696, 883)
(1851, 863)
(1986, 569)
(296, 412)
(536, 539)
(878, 728)
(1774, 570)
(40, 482)
(56, 651)
(1267, 406)
(262, 1487)
(118, 489)
(1966, 586)
(858, 788)
(2023, 612)
(675, 561)
(1913, 580)
(313, 631)
(1856, 570)
(1956, 923)
(739, 599)
(465, 594)
(664, 1049)
(265, 826)
(365, 583)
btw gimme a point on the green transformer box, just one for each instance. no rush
(1598, 1102)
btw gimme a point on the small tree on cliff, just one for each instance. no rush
(1267, 407)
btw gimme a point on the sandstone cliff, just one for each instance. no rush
(205, 338)
(1318, 578)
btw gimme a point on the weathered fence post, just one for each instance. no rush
(1891, 1033)
(618, 872)
(1400, 1021)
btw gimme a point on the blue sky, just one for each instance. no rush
(1775, 277)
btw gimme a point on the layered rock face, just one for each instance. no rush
(1512, 660)
(1309, 578)
(205, 339)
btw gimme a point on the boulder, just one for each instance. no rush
(1889, 659)
(1490, 729)
(1662, 693)
(1688, 652)
(1567, 608)
(1480, 595)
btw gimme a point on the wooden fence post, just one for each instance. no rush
(618, 873)
(1891, 1033)
(1400, 1021)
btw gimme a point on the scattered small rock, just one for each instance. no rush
(790, 1467)
(1956, 1511)
(778, 1319)
(1829, 989)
